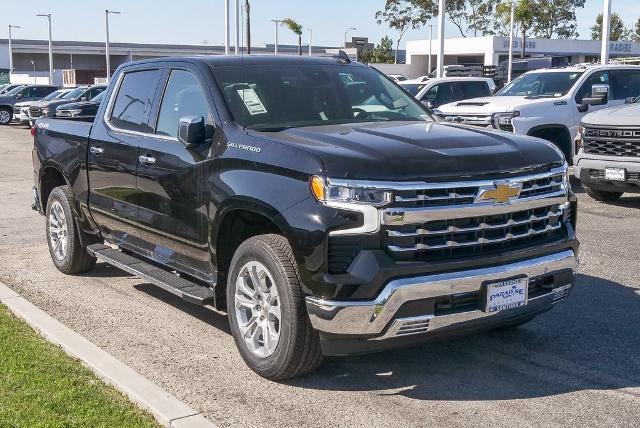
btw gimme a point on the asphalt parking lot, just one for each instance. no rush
(576, 365)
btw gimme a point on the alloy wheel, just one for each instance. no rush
(58, 230)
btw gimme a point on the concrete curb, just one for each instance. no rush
(166, 409)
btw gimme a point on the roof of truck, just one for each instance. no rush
(230, 60)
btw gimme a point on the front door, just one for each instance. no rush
(172, 214)
(113, 155)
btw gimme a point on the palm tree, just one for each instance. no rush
(247, 10)
(524, 14)
(297, 29)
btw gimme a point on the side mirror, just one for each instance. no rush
(583, 108)
(428, 104)
(18, 95)
(599, 96)
(629, 100)
(191, 131)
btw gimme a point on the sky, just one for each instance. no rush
(201, 21)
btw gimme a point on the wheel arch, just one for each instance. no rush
(50, 177)
(547, 131)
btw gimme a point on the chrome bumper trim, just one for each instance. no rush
(372, 317)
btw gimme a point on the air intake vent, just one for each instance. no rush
(561, 293)
(413, 326)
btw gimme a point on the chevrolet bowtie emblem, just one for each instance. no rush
(501, 193)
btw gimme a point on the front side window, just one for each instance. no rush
(276, 97)
(597, 78)
(541, 85)
(183, 96)
(74, 93)
(95, 92)
(625, 84)
(134, 100)
(470, 90)
(413, 88)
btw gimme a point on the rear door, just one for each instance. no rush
(113, 153)
(172, 215)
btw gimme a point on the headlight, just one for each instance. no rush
(45, 111)
(579, 138)
(504, 119)
(348, 192)
(70, 113)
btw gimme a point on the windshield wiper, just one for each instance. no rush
(267, 128)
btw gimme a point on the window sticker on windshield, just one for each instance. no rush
(252, 101)
(573, 76)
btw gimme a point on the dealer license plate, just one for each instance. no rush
(508, 294)
(615, 174)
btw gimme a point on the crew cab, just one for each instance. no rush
(444, 90)
(257, 185)
(608, 159)
(548, 103)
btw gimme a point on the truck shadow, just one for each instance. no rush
(590, 342)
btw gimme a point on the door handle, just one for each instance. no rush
(96, 150)
(147, 160)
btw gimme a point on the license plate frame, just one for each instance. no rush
(615, 174)
(506, 294)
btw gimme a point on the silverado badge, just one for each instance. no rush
(499, 193)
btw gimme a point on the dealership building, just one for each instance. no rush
(31, 57)
(491, 50)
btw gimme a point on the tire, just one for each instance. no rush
(297, 349)
(603, 196)
(6, 115)
(63, 237)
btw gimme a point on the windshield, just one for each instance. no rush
(74, 94)
(549, 84)
(276, 97)
(98, 98)
(15, 90)
(412, 88)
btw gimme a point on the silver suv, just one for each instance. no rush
(608, 160)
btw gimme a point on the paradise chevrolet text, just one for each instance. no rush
(313, 200)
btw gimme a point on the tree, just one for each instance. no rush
(383, 53)
(297, 29)
(636, 32)
(556, 18)
(365, 56)
(524, 16)
(618, 31)
(247, 11)
(401, 15)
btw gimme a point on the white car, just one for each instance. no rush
(438, 91)
(398, 77)
(549, 103)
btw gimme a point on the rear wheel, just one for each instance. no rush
(63, 236)
(603, 196)
(267, 312)
(6, 114)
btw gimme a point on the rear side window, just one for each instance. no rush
(625, 84)
(134, 100)
(44, 91)
(182, 97)
(95, 92)
(468, 90)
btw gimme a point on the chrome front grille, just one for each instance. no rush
(469, 119)
(445, 220)
(612, 142)
(16, 110)
(35, 112)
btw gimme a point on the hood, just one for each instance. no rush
(490, 105)
(624, 115)
(4, 99)
(53, 103)
(79, 105)
(418, 150)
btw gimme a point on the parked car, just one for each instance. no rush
(21, 93)
(48, 108)
(21, 109)
(257, 185)
(549, 103)
(9, 87)
(84, 110)
(608, 159)
(398, 77)
(438, 91)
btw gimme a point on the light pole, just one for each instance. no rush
(430, 46)
(345, 35)
(276, 22)
(11, 50)
(606, 32)
(48, 16)
(106, 22)
(33, 64)
(237, 27)
(510, 72)
(441, 17)
(310, 34)
(226, 27)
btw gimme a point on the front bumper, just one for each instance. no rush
(406, 309)
(589, 169)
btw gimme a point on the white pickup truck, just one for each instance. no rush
(549, 103)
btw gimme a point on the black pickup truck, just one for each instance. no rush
(313, 200)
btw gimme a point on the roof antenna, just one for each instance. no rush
(343, 57)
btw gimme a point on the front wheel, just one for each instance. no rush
(603, 196)
(6, 114)
(267, 311)
(63, 236)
